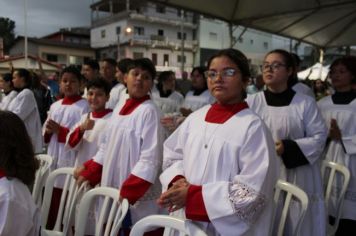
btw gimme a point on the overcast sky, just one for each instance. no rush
(46, 16)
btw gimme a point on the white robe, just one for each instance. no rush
(115, 94)
(170, 104)
(345, 116)
(24, 105)
(67, 116)
(195, 102)
(132, 144)
(301, 122)
(304, 89)
(5, 101)
(89, 143)
(19, 215)
(240, 159)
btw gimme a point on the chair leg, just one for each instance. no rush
(53, 210)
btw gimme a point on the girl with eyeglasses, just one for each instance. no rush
(339, 112)
(219, 166)
(299, 133)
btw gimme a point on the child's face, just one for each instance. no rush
(97, 99)
(70, 85)
(17, 81)
(139, 82)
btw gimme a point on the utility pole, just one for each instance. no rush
(182, 41)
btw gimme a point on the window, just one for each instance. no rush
(137, 55)
(179, 59)
(213, 36)
(251, 41)
(103, 33)
(139, 30)
(179, 35)
(154, 59)
(52, 57)
(118, 30)
(166, 59)
(265, 45)
(160, 32)
(160, 9)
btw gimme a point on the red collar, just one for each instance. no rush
(2, 174)
(70, 100)
(101, 114)
(131, 104)
(218, 113)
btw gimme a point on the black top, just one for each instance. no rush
(343, 98)
(279, 99)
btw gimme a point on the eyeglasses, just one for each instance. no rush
(274, 66)
(224, 74)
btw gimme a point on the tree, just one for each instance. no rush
(7, 32)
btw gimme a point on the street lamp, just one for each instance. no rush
(128, 31)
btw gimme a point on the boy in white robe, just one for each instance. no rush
(62, 116)
(219, 166)
(130, 155)
(84, 137)
(19, 215)
(24, 105)
(299, 132)
(339, 112)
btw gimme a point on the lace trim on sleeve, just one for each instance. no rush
(246, 202)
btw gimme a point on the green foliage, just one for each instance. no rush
(7, 32)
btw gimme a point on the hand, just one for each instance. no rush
(88, 124)
(77, 171)
(52, 127)
(334, 131)
(81, 180)
(185, 111)
(175, 197)
(279, 147)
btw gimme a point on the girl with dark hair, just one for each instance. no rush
(18, 213)
(299, 133)
(220, 178)
(7, 88)
(24, 105)
(199, 96)
(339, 112)
(166, 98)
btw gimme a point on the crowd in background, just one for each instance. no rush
(209, 148)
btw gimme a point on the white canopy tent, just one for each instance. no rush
(317, 71)
(323, 23)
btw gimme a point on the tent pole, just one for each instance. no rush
(230, 35)
(321, 60)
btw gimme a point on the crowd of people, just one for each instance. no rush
(209, 149)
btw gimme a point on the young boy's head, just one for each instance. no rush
(70, 81)
(121, 69)
(98, 94)
(139, 79)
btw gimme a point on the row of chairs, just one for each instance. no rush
(112, 212)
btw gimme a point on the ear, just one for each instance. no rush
(125, 78)
(290, 71)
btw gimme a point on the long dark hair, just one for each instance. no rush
(26, 76)
(17, 158)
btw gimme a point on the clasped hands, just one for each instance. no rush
(175, 197)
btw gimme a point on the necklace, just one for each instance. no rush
(207, 141)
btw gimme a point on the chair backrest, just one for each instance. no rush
(68, 200)
(111, 212)
(328, 179)
(290, 190)
(41, 177)
(184, 226)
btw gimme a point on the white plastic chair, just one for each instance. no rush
(328, 183)
(41, 177)
(111, 219)
(66, 210)
(291, 191)
(186, 227)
